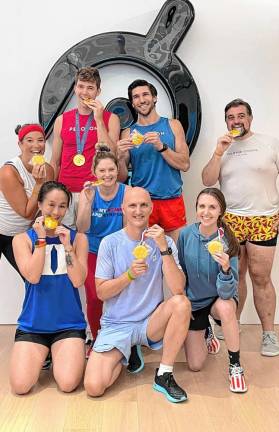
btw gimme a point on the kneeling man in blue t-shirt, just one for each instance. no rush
(134, 308)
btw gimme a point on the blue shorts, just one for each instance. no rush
(122, 337)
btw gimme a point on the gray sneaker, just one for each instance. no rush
(219, 332)
(270, 345)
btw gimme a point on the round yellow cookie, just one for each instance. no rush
(140, 252)
(50, 223)
(137, 138)
(97, 182)
(235, 133)
(38, 160)
(215, 246)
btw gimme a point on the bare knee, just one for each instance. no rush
(226, 310)
(180, 305)
(67, 385)
(259, 278)
(194, 365)
(20, 387)
(94, 388)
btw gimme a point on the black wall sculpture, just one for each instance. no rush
(153, 52)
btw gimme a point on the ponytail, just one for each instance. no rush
(233, 243)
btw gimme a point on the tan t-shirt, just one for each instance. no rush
(248, 174)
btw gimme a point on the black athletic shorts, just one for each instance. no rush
(48, 339)
(200, 320)
(270, 242)
(6, 249)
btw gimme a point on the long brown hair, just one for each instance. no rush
(233, 243)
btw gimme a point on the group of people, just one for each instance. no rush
(80, 221)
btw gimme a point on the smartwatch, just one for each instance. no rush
(168, 251)
(228, 272)
(165, 147)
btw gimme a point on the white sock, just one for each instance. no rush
(164, 368)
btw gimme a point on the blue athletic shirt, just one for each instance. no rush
(106, 217)
(149, 168)
(142, 296)
(53, 304)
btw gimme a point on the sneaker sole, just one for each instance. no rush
(139, 369)
(269, 354)
(239, 391)
(170, 398)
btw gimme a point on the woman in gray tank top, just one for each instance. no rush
(20, 181)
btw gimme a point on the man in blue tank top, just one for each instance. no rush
(134, 308)
(157, 151)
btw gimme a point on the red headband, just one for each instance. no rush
(30, 128)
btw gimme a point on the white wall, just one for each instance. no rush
(231, 51)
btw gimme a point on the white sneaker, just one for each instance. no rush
(270, 345)
(237, 380)
(212, 343)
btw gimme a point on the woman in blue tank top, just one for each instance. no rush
(53, 261)
(99, 214)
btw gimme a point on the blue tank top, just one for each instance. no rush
(149, 168)
(106, 217)
(53, 304)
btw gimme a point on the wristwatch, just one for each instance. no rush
(168, 251)
(165, 147)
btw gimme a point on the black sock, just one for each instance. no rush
(234, 357)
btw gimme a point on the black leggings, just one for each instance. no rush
(7, 250)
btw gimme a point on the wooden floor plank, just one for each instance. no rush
(131, 405)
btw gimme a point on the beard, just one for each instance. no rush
(146, 113)
(242, 130)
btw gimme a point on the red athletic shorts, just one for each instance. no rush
(169, 214)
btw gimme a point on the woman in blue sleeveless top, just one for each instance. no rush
(99, 214)
(53, 261)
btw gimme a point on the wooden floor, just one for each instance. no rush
(132, 406)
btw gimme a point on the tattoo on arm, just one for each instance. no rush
(69, 260)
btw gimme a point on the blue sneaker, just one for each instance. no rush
(136, 361)
(166, 384)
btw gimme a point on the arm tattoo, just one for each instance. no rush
(69, 260)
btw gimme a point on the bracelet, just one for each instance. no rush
(228, 272)
(41, 238)
(130, 276)
(40, 243)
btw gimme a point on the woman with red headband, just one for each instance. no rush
(21, 179)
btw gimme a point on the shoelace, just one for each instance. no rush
(236, 370)
(170, 380)
(269, 338)
(210, 333)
